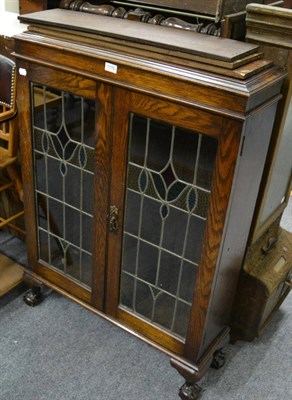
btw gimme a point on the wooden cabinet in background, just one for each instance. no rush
(214, 17)
(143, 148)
(29, 6)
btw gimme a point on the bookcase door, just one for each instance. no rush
(164, 181)
(60, 144)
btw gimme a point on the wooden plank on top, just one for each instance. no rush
(240, 69)
(157, 36)
(138, 48)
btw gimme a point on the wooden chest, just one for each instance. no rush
(264, 283)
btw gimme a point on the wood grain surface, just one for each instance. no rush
(163, 37)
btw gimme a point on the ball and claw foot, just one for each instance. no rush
(218, 359)
(190, 391)
(33, 296)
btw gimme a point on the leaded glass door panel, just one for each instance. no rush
(169, 176)
(163, 195)
(64, 144)
(66, 116)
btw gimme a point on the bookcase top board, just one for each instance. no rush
(206, 46)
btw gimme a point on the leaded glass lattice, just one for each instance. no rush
(169, 177)
(63, 148)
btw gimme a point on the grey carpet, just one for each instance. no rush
(60, 351)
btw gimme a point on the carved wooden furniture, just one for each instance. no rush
(9, 137)
(215, 9)
(266, 276)
(142, 150)
(213, 17)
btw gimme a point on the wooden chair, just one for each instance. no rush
(9, 137)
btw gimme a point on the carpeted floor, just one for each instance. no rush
(60, 351)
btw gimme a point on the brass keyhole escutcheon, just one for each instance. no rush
(114, 218)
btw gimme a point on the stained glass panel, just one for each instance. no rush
(64, 141)
(169, 179)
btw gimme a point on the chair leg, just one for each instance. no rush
(14, 177)
(15, 181)
(7, 186)
(6, 221)
(16, 228)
